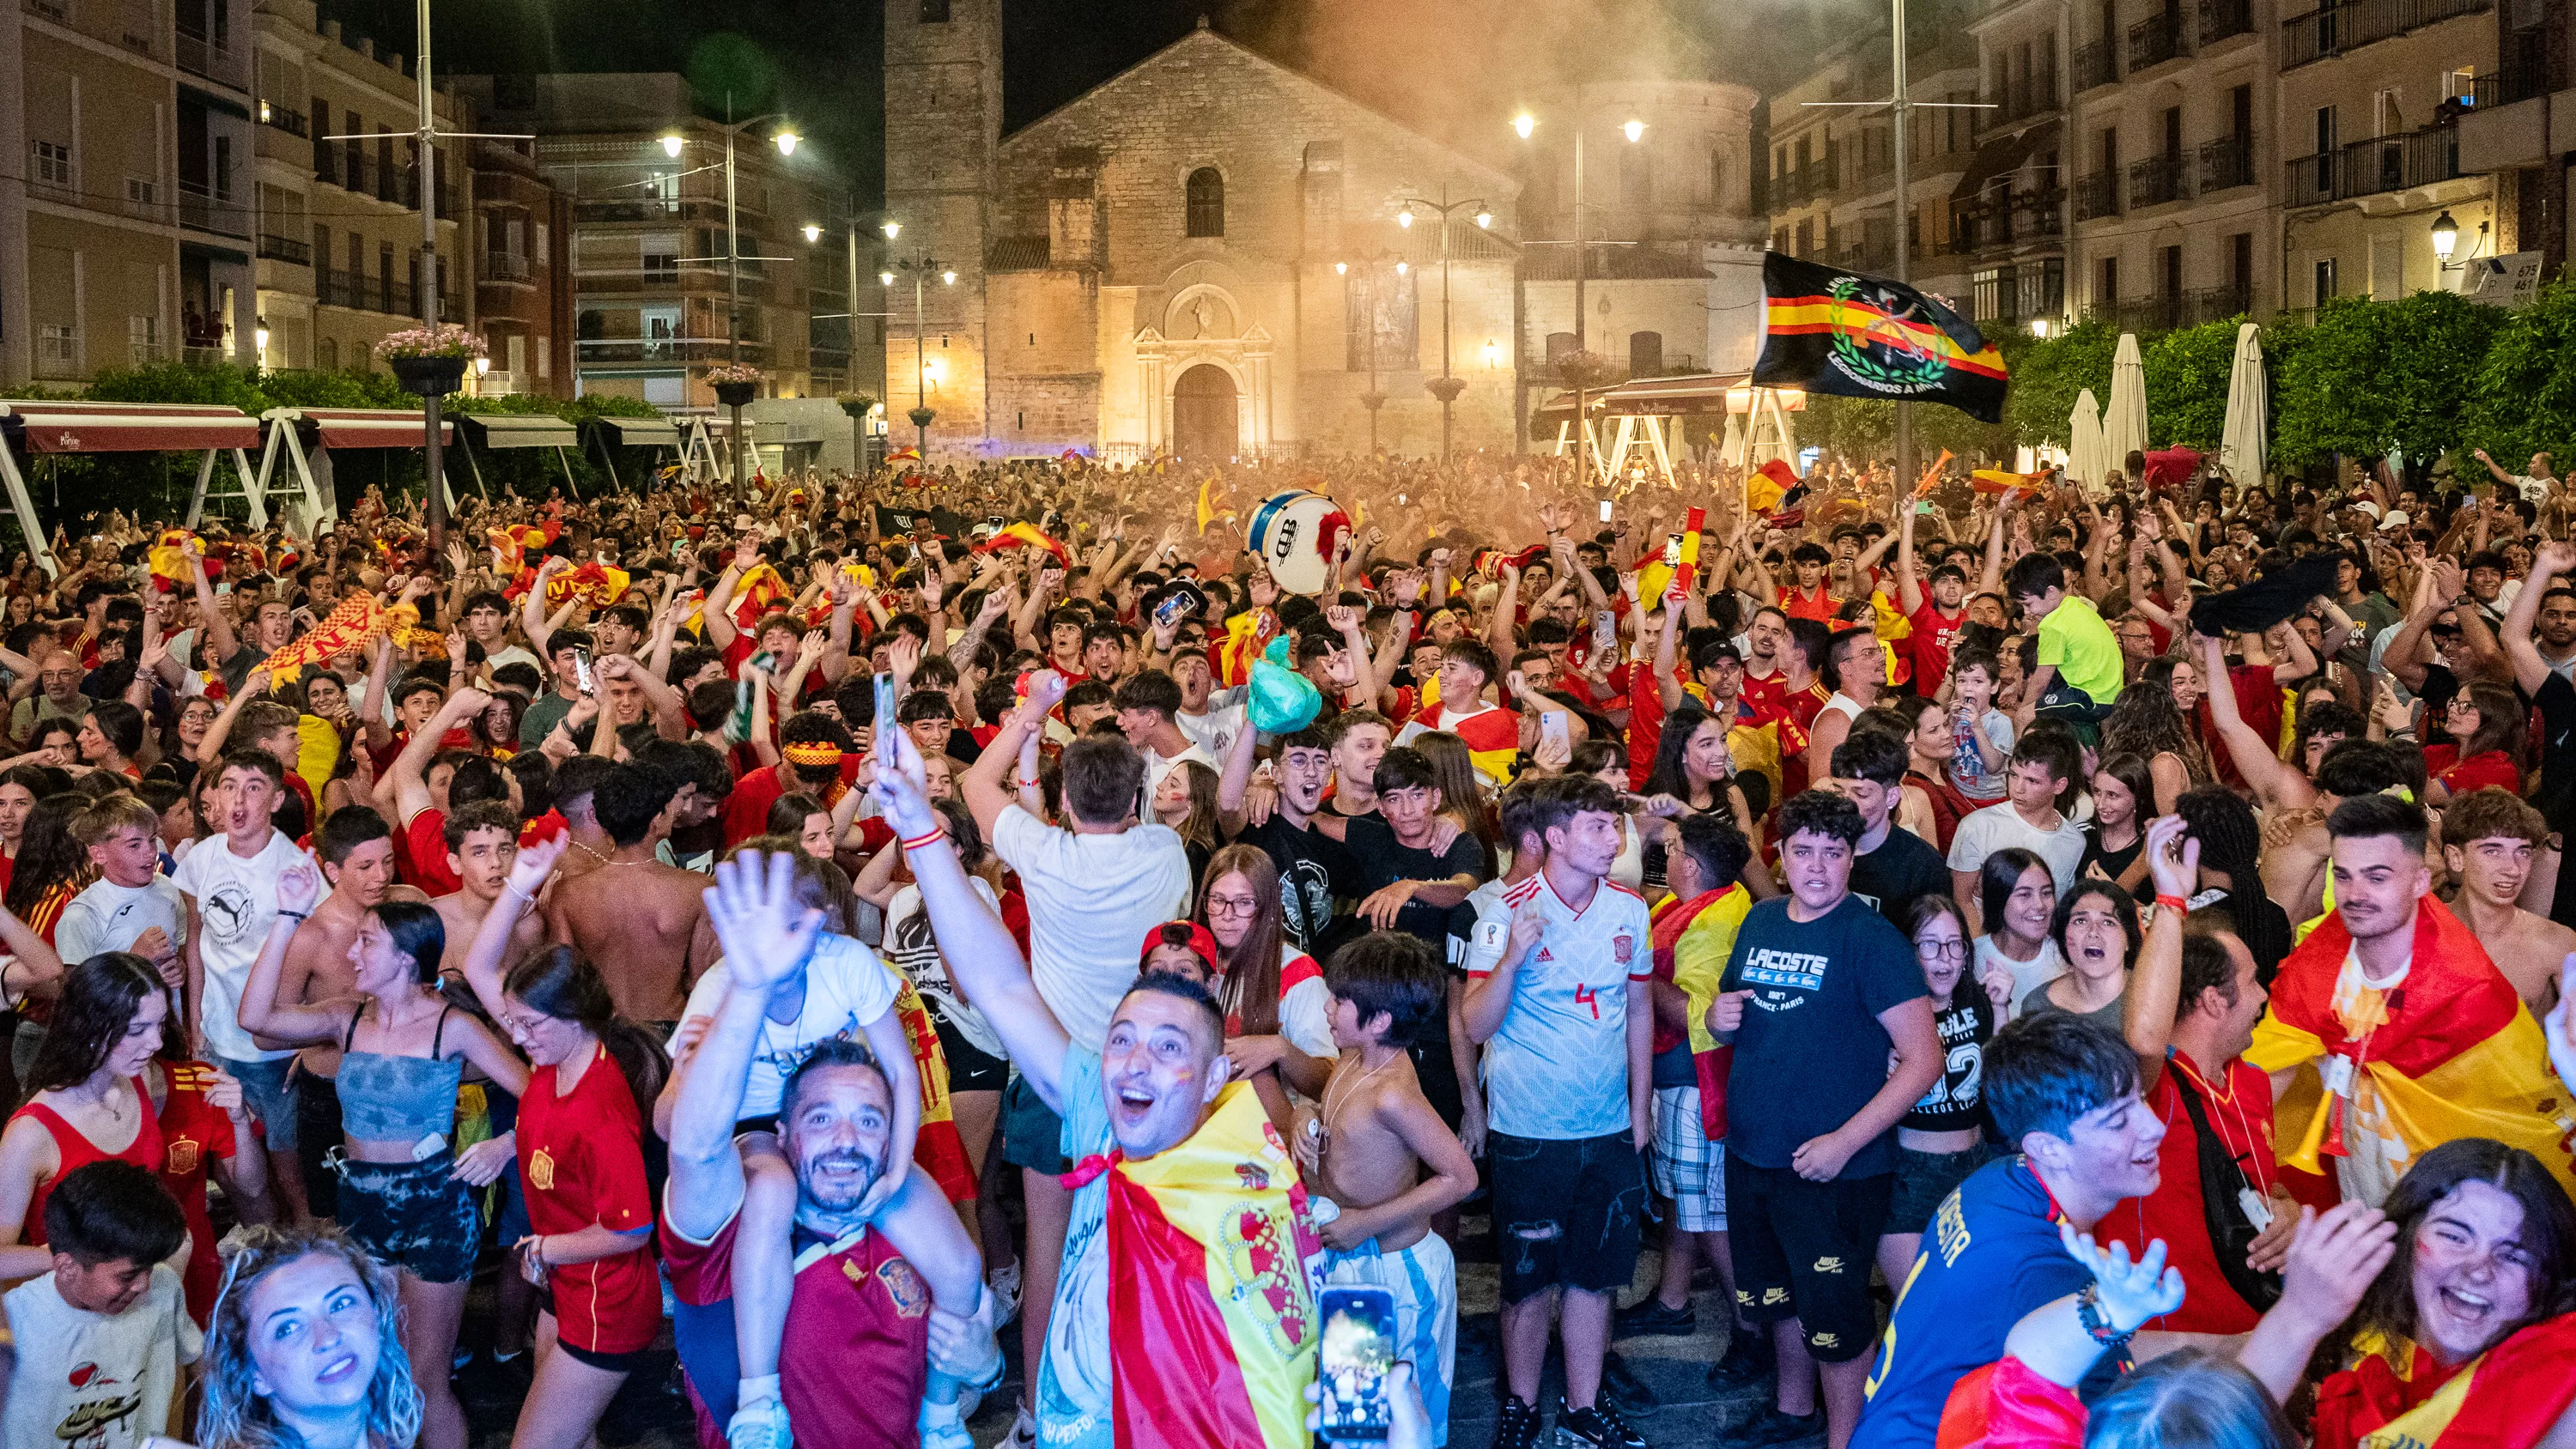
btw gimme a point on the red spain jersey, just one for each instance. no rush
(581, 1158)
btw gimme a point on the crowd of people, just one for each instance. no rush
(2074, 966)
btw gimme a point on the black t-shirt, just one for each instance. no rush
(1314, 870)
(1811, 1051)
(1903, 870)
(2556, 701)
(2112, 861)
(1382, 862)
(1966, 1025)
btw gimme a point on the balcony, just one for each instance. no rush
(504, 267)
(2226, 162)
(2370, 168)
(665, 349)
(2000, 221)
(291, 122)
(2216, 304)
(2516, 82)
(2157, 180)
(2155, 40)
(201, 210)
(200, 55)
(2018, 102)
(53, 10)
(2335, 29)
(2225, 19)
(2097, 64)
(285, 249)
(2097, 196)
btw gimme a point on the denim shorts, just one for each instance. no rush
(1924, 1180)
(415, 1216)
(1032, 1133)
(264, 1093)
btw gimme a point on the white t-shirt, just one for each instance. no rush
(1091, 900)
(910, 949)
(513, 654)
(108, 917)
(91, 1381)
(236, 902)
(2027, 976)
(2000, 827)
(1215, 730)
(846, 987)
(1157, 766)
(1558, 1067)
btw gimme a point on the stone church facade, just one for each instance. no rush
(1200, 257)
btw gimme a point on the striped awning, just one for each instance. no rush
(361, 427)
(118, 427)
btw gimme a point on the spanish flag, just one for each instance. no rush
(2003, 480)
(2399, 1397)
(1245, 633)
(1832, 331)
(510, 545)
(1024, 535)
(358, 619)
(596, 584)
(904, 455)
(1212, 1325)
(1492, 736)
(758, 592)
(2451, 1053)
(169, 559)
(1770, 483)
(1692, 940)
(937, 1147)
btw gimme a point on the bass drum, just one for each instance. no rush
(1293, 533)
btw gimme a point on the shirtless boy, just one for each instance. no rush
(1383, 1157)
(482, 842)
(2488, 840)
(642, 922)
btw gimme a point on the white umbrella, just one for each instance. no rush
(2124, 423)
(2086, 462)
(2240, 446)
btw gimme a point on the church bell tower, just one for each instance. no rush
(943, 127)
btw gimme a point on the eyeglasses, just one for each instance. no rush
(1942, 950)
(1233, 906)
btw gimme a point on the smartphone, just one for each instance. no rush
(1605, 510)
(1167, 614)
(1552, 728)
(885, 701)
(581, 669)
(1357, 1350)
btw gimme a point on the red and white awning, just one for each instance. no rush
(117, 427)
(362, 427)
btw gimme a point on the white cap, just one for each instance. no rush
(2396, 519)
(2365, 505)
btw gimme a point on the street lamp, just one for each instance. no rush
(919, 269)
(1447, 386)
(2446, 240)
(1373, 399)
(1524, 124)
(785, 140)
(813, 233)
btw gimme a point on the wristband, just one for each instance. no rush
(2097, 1325)
(296, 915)
(2178, 903)
(928, 837)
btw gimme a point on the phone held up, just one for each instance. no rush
(1357, 1350)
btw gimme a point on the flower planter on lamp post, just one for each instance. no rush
(736, 384)
(858, 405)
(1446, 389)
(429, 362)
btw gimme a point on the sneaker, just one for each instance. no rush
(1598, 1427)
(1005, 1285)
(1750, 1359)
(941, 1427)
(1024, 1428)
(1768, 1426)
(1651, 1319)
(759, 1424)
(1621, 1387)
(1517, 1426)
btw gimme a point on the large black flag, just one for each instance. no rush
(1839, 332)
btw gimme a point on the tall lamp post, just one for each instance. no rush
(1373, 399)
(1447, 385)
(920, 269)
(785, 140)
(858, 420)
(1635, 130)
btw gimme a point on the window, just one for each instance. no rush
(2325, 283)
(1645, 353)
(223, 177)
(2325, 129)
(326, 354)
(143, 337)
(54, 345)
(1716, 177)
(1206, 202)
(933, 12)
(542, 250)
(53, 164)
(545, 351)
(2106, 282)
(1806, 237)
(1989, 288)
(141, 190)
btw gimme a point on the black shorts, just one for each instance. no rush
(1924, 1179)
(1566, 1211)
(415, 1216)
(970, 1067)
(1032, 1133)
(317, 1131)
(1803, 1250)
(615, 1363)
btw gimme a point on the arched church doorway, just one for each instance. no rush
(1204, 417)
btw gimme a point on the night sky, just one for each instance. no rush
(1452, 68)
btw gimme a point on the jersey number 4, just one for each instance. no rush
(1586, 996)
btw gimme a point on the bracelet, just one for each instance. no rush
(931, 836)
(1029, 784)
(2166, 902)
(296, 915)
(2097, 1325)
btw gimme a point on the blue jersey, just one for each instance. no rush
(1991, 1256)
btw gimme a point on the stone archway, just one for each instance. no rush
(1205, 418)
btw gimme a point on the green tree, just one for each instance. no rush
(2187, 372)
(2047, 375)
(2524, 400)
(2372, 378)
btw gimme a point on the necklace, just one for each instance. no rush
(593, 854)
(1334, 1104)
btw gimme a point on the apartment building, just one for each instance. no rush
(1833, 158)
(2371, 95)
(522, 256)
(125, 221)
(2008, 209)
(655, 292)
(2172, 127)
(2521, 128)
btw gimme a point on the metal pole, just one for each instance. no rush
(920, 374)
(433, 462)
(1899, 106)
(858, 424)
(733, 297)
(1446, 396)
(1583, 428)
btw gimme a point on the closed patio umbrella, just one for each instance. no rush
(2241, 444)
(2124, 423)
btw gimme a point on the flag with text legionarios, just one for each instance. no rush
(1833, 331)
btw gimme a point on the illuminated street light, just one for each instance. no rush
(787, 141)
(1404, 218)
(892, 230)
(886, 277)
(1524, 123)
(949, 278)
(2446, 236)
(813, 233)
(1341, 269)
(1484, 221)
(671, 145)
(1634, 129)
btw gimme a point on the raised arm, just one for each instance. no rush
(409, 776)
(529, 872)
(2154, 996)
(261, 1012)
(2547, 563)
(767, 934)
(220, 642)
(532, 609)
(2274, 782)
(987, 787)
(1909, 589)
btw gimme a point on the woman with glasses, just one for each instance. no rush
(1278, 1012)
(1942, 1139)
(2486, 721)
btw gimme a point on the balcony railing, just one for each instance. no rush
(335, 288)
(202, 56)
(202, 210)
(286, 249)
(2018, 102)
(53, 10)
(2155, 40)
(2216, 304)
(2097, 196)
(2157, 180)
(2097, 64)
(2337, 28)
(2225, 162)
(504, 267)
(2222, 19)
(666, 349)
(2516, 82)
(2382, 164)
(1997, 221)
(291, 122)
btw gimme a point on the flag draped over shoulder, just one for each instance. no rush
(2397, 1397)
(938, 1148)
(2452, 1053)
(1212, 1325)
(1833, 331)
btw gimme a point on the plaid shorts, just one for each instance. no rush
(1688, 1168)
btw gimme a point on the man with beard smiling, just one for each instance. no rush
(2065, 1091)
(1174, 1165)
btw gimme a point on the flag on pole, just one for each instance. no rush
(1832, 331)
